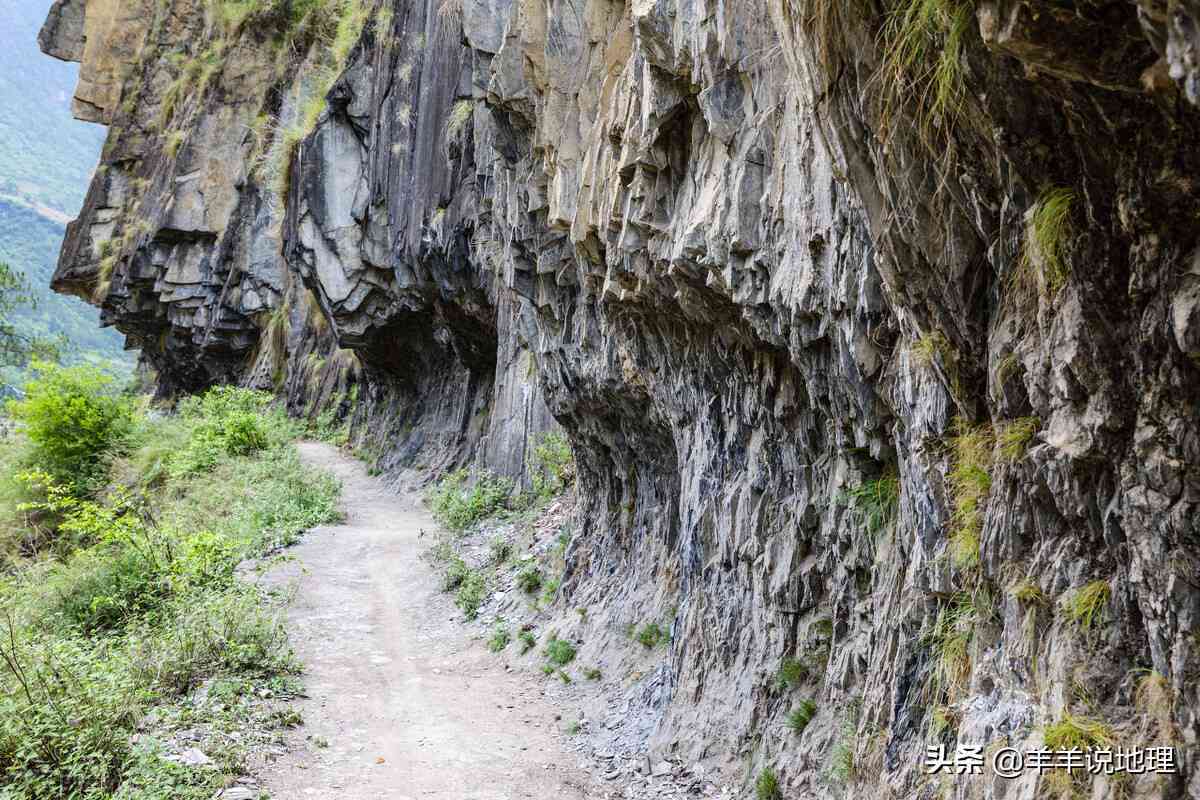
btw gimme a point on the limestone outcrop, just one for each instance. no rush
(875, 329)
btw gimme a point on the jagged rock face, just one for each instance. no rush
(763, 273)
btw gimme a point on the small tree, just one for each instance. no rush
(16, 346)
(73, 416)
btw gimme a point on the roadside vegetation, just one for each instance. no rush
(124, 624)
(491, 542)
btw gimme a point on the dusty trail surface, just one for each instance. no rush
(409, 706)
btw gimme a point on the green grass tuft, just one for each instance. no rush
(1050, 233)
(766, 787)
(1072, 732)
(970, 482)
(1029, 593)
(651, 635)
(1014, 436)
(877, 502)
(801, 715)
(500, 639)
(1085, 605)
(924, 65)
(559, 651)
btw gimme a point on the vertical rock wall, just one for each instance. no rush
(875, 330)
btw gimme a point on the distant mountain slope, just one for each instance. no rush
(45, 155)
(30, 242)
(46, 160)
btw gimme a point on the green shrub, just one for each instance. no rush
(651, 635)
(459, 506)
(62, 708)
(501, 550)
(228, 422)
(102, 589)
(232, 631)
(552, 465)
(593, 674)
(472, 591)
(456, 573)
(140, 605)
(528, 641)
(530, 579)
(500, 639)
(560, 651)
(73, 418)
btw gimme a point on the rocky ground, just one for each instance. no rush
(402, 697)
(600, 695)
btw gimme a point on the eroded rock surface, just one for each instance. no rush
(869, 362)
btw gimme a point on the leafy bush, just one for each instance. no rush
(651, 635)
(552, 465)
(73, 418)
(501, 550)
(456, 573)
(63, 700)
(500, 639)
(103, 588)
(560, 651)
(458, 505)
(528, 641)
(530, 579)
(227, 422)
(471, 593)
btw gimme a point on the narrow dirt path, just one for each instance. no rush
(409, 706)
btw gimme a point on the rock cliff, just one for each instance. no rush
(874, 326)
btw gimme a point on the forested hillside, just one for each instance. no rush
(46, 156)
(46, 159)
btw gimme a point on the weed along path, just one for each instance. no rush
(402, 704)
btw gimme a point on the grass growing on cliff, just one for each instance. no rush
(130, 602)
(923, 43)
(766, 786)
(333, 27)
(1071, 732)
(876, 502)
(970, 482)
(1013, 437)
(801, 715)
(1050, 232)
(1085, 605)
(559, 651)
(1075, 732)
(949, 642)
